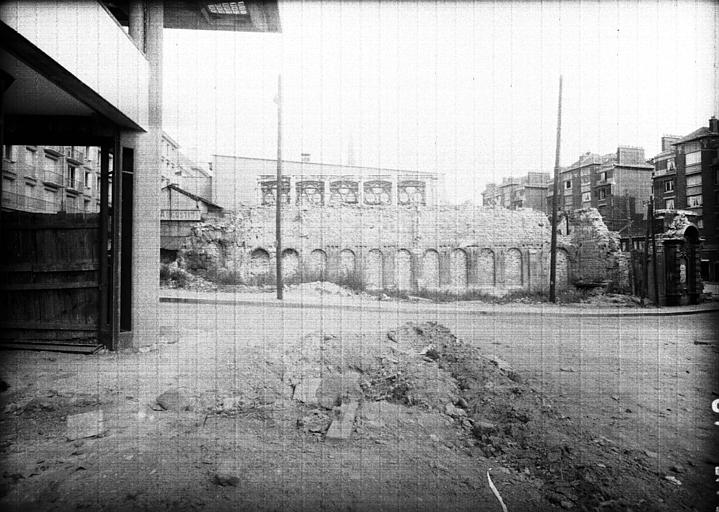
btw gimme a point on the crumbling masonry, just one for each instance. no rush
(449, 248)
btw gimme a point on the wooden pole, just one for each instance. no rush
(645, 287)
(553, 250)
(278, 198)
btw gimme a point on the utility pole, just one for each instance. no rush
(278, 196)
(553, 250)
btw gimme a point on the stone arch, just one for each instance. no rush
(290, 266)
(430, 270)
(562, 279)
(317, 268)
(486, 268)
(513, 268)
(259, 268)
(348, 266)
(374, 269)
(458, 269)
(403, 269)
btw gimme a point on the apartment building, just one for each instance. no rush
(686, 177)
(617, 184)
(51, 179)
(518, 192)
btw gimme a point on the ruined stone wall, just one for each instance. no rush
(408, 248)
(596, 250)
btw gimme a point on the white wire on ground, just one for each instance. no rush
(496, 492)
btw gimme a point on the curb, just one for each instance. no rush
(483, 312)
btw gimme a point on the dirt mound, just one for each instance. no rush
(507, 420)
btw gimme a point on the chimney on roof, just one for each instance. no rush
(668, 140)
(305, 157)
(714, 124)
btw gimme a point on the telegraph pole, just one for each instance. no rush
(553, 250)
(278, 196)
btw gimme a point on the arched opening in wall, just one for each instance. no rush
(562, 279)
(458, 270)
(513, 268)
(317, 268)
(430, 270)
(259, 270)
(374, 270)
(485, 268)
(403, 269)
(347, 273)
(290, 266)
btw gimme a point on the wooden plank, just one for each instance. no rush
(48, 326)
(77, 266)
(52, 347)
(49, 286)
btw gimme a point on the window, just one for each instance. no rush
(603, 176)
(586, 197)
(9, 152)
(88, 179)
(669, 186)
(700, 223)
(50, 200)
(693, 158)
(71, 177)
(694, 181)
(602, 193)
(671, 166)
(669, 204)
(694, 201)
(568, 184)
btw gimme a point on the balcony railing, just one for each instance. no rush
(191, 215)
(25, 203)
(76, 153)
(53, 177)
(74, 184)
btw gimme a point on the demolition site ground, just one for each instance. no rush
(267, 408)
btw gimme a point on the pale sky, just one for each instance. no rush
(467, 89)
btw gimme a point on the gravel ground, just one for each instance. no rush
(581, 413)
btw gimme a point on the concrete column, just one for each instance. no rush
(360, 191)
(137, 23)
(146, 201)
(293, 191)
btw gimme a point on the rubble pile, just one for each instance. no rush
(425, 368)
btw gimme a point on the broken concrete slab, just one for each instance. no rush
(87, 424)
(172, 400)
(341, 428)
(336, 388)
(306, 390)
(227, 473)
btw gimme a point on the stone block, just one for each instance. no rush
(87, 424)
(306, 390)
(341, 428)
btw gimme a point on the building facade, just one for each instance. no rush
(526, 192)
(242, 181)
(98, 85)
(51, 179)
(617, 184)
(686, 177)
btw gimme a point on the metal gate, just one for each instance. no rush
(50, 276)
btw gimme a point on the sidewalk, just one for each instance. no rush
(298, 300)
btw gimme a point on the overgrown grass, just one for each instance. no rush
(171, 275)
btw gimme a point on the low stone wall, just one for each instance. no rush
(455, 249)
